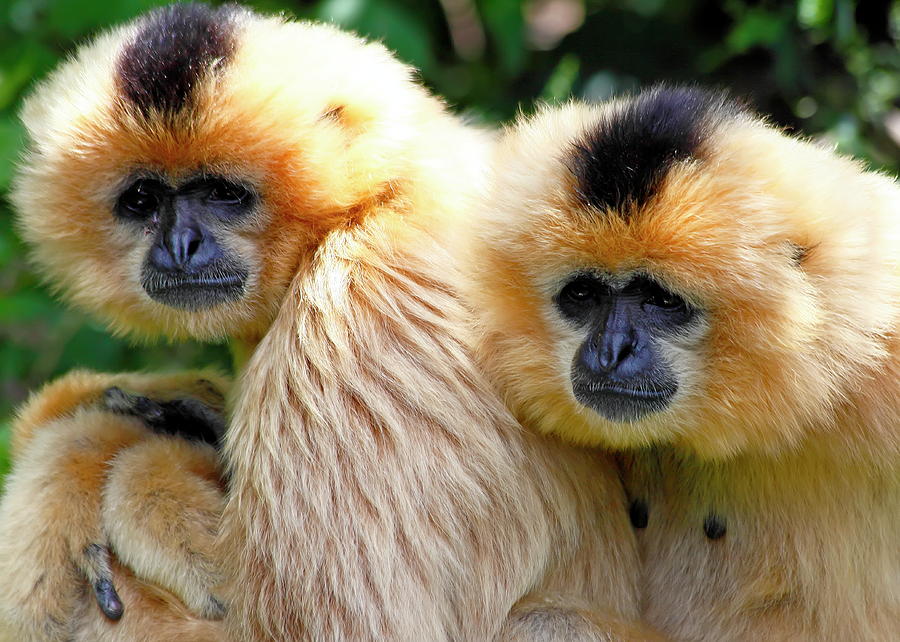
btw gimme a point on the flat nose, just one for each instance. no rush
(617, 338)
(615, 347)
(185, 246)
(182, 242)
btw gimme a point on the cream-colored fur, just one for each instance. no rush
(379, 488)
(786, 426)
(430, 491)
(84, 478)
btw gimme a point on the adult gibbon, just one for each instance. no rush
(721, 302)
(208, 173)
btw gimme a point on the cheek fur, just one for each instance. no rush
(567, 340)
(684, 354)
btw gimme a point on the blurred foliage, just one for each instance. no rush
(830, 68)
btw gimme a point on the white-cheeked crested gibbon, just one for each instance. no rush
(719, 302)
(209, 173)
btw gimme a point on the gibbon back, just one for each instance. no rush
(288, 184)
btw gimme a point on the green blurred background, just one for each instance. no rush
(829, 68)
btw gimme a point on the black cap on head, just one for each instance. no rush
(621, 161)
(174, 48)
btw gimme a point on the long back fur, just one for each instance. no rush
(379, 489)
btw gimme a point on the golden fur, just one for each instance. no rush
(379, 489)
(786, 426)
(81, 476)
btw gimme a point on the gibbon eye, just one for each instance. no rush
(661, 298)
(226, 192)
(142, 198)
(579, 290)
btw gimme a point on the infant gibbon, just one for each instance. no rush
(208, 173)
(672, 277)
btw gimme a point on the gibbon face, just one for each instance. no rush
(667, 268)
(181, 168)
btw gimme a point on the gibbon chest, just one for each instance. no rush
(764, 545)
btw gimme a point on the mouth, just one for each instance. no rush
(622, 403)
(643, 394)
(194, 292)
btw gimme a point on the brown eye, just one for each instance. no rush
(578, 290)
(228, 193)
(141, 199)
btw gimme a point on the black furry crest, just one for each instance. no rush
(175, 47)
(621, 161)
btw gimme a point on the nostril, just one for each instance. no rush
(193, 246)
(183, 243)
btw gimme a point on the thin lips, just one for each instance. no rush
(199, 283)
(637, 393)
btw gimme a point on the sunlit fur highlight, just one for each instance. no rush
(786, 422)
(379, 488)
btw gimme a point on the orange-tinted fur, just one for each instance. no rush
(379, 488)
(786, 426)
(73, 462)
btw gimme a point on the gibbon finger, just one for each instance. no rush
(96, 567)
(53, 495)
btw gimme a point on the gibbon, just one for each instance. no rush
(93, 472)
(210, 173)
(719, 302)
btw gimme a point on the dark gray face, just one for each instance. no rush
(186, 267)
(618, 371)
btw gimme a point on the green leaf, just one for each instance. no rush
(5, 434)
(26, 306)
(758, 27)
(12, 137)
(506, 25)
(845, 31)
(646, 7)
(22, 60)
(76, 19)
(342, 12)
(814, 14)
(562, 80)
